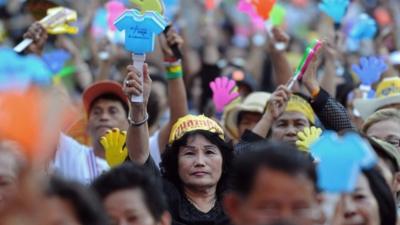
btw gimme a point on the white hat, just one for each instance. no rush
(254, 102)
(387, 93)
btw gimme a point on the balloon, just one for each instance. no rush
(278, 14)
(263, 7)
(114, 10)
(336, 9)
(149, 5)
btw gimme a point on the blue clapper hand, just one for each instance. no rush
(364, 28)
(336, 9)
(370, 69)
(340, 161)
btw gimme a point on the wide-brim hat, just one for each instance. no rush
(387, 93)
(254, 102)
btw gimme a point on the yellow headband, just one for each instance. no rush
(299, 104)
(190, 123)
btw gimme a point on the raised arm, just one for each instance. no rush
(176, 88)
(282, 70)
(137, 139)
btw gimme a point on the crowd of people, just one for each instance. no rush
(225, 132)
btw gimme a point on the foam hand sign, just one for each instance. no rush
(113, 143)
(223, 92)
(370, 69)
(140, 30)
(114, 10)
(307, 137)
(263, 7)
(340, 161)
(336, 9)
(19, 72)
(56, 59)
(149, 5)
(364, 28)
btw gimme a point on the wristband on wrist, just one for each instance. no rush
(315, 93)
(174, 72)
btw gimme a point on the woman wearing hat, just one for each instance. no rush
(194, 164)
(287, 114)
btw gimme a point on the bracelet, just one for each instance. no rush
(174, 72)
(137, 124)
(315, 93)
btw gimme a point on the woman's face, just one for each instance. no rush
(386, 130)
(361, 207)
(199, 163)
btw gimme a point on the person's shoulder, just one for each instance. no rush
(67, 143)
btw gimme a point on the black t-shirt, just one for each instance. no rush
(184, 212)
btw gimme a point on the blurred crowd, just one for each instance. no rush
(250, 112)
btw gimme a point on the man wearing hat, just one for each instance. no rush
(387, 95)
(106, 107)
(245, 115)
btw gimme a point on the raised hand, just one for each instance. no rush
(114, 146)
(307, 137)
(133, 84)
(38, 34)
(223, 92)
(364, 28)
(278, 101)
(370, 69)
(336, 9)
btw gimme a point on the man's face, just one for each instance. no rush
(248, 121)
(127, 207)
(286, 127)
(104, 115)
(274, 196)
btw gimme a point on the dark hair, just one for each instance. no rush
(272, 155)
(383, 196)
(169, 162)
(85, 204)
(132, 176)
(110, 97)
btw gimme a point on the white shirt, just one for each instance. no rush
(76, 162)
(155, 148)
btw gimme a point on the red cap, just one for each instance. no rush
(100, 88)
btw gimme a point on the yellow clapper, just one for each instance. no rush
(307, 137)
(57, 21)
(114, 146)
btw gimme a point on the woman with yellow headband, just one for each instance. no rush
(287, 114)
(194, 164)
